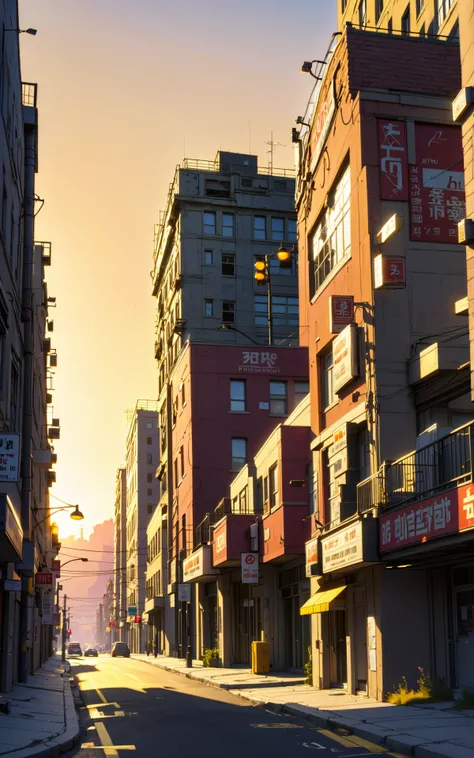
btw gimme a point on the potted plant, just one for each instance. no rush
(210, 657)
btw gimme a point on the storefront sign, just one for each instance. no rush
(389, 272)
(47, 617)
(57, 568)
(341, 312)
(344, 354)
(393, 160)
(448, 513)
(12, 585)
(312, 557)
(192, 566)
(44, 579)
(184, 593)
(9, 457)
(259, 362)
(249, 563)
(198, 567)
(339, 463)
(323, 117)
(221, 541)
(132, 610)
(343, 548)
(437, 198)
(339, 439)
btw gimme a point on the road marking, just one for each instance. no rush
(112, 751)
(106, 741)
(314, 745)
(100, 705)
(360, 742)
(102, 697)
(276, 726)
(336, 737)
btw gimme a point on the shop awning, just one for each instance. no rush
(321, 601)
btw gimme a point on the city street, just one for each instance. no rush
(132, 706)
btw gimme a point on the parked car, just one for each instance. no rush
(92, 652)
(74, 649)
(120, 648)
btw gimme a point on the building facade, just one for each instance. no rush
(379, 195)
(142, 495)
(120, 554)
(420, 17)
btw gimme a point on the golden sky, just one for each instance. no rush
(126, 88)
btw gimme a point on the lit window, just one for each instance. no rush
(228, 312)
(278, 229)
(228, 264)
(227, 224)
(237, 395)
(291, 234)
(331, 241)
(327, 383)
(208, 257)
(209, 223)
(444, 6)
(239, 453)
(278, 398)
(208, 308)
(259, 232)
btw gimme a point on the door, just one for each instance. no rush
(337, 648)
(360, 640)
(465, 637)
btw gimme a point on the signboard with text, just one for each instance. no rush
(322, 121)
(393, 160)
(259, 362)
(44, 579)
(389, 271)
(344, 355)
(342, 548)
(341, 312)
(448, 513)
(9, 457)
(312, 556)
(437, 197)
(192, 566)
(47, 617)
(184, 593)
(249, 562)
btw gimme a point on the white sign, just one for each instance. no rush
(339, 439)
(221, 542)
(184, 593)
(343, 548)
(9, 457)
(394, 223)
(192, 566)
(249, 568)
(322, 123)
(344, 356)
(339, 463)
(47, 608)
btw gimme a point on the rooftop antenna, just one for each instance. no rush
(271, 152)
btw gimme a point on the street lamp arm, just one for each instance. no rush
(76, 515)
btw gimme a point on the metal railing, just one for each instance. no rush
(204, 165)
(29, 92)
(202, 533)
(371, 492)
(227, 508)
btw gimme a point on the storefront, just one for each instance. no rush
(11, 546)
(294, 590)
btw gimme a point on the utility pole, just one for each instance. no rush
(63, 649)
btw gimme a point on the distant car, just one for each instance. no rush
(92, 652)
(120, 648)
(74, 649)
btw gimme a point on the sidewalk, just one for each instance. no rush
(42, 721)
(431, 730)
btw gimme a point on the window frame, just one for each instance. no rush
(208, 251)
(278, 398)
(230, 262)
(205, 224)
(239, 461)
(280, 235)
(328, 395)
(256, 231)
(241, 384)
(228, 226)
(273, 486)
(208, 301)
(230, 311)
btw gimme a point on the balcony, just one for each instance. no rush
(285, 531)
(231, 533)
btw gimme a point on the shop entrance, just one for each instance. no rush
(294, 588)
(247, 612)
(337, 648)
(464, 599)
(210, 615)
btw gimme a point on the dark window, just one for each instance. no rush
(149, 492)
(406, 21)
(237, 395)
(378, 10)
(227, 224)
(259, 231)
(181, 458)
(149, 458)
(209, 223)
(291, 233)
(150, 508)
(419, 6)
(148, 440)
(390, 26)
(149, 477)
(228, 312)
(285, 310)
(301, 389)
(278, 229)
(239, 453)
(273, 484)
(228, 264)
(278, 398)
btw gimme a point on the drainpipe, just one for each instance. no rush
(28, 346)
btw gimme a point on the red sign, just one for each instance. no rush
(44, 578)
(341, 312)
(389, 272)
(437, 198)
(393, 160)
(57, 568)
(448, 513)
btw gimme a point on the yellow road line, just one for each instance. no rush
(106, 740)
(100, 705)
(371, 746)
(104, 699)
(88, 746)
(336, 737)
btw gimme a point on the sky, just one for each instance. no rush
(126, 90)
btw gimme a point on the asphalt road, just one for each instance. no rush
(133, 708)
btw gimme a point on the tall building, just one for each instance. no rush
(142, 459)
(421, 17)
(380, 192)
(120, 554)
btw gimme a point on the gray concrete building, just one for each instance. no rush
(143, 489)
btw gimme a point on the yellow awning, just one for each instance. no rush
(321, 601)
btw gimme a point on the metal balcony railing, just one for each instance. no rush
(202, 533)
(371, 492)
(205, 165)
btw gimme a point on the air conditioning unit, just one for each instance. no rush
(180, 326)
(46, 345)
(50, 326)
(55, 422)
(178, 283)
(54, 458)
(54, 433)
(53, 360)
(51, 476)
(49, 398)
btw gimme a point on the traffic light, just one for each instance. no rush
(69, 631)
(260, 275)
(138, 619)
(285, 257)
(111, 623)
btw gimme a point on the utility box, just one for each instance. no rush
(260, 657)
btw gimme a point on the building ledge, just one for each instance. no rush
(435, 359)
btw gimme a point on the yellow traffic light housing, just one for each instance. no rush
(260, 275)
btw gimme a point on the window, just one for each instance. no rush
(422, 31)
(378, 10)
(278, 398)
(149, 458)
(444, 6)
(150, 508)
(259, 231)
(208, 308)
(208, 257)
(228, 312)
(278, 229)
(209, 223)
(327, 380)
(333, 496)
(331, 241)
(291, 233)
(176, 471)
(285, 310)
(237, 395)
(343, 5)
(243, 500)
(301, 389)
(228, 264)
(227, 224)
(239, 453)
(406, 21)
(183, 394)
(181, 460)
(149, 477)
(275, 268)
(419, 6)
(265, 489)
(273, 484)
(362, 12)
(390, 26)
(148, 440)
(149, 492)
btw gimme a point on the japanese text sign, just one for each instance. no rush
(437, 198)
(344, 352)
(437, 516)
(44, 578)
(259, 362)
(9, 457)
(393, 160)
(341, 312)
(342, 548)
(389, 271)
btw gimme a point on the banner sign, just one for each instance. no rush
(393, 160)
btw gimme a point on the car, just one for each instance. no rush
(120, 648)
(74, 649)
(92, 652)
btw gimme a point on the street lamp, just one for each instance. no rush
(76, 515)
(262, 276)
(22, 31)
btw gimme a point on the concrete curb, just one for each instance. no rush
(390, 740)
(63, 741)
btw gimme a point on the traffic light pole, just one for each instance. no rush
(269, 299)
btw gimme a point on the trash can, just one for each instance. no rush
(260, 657)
